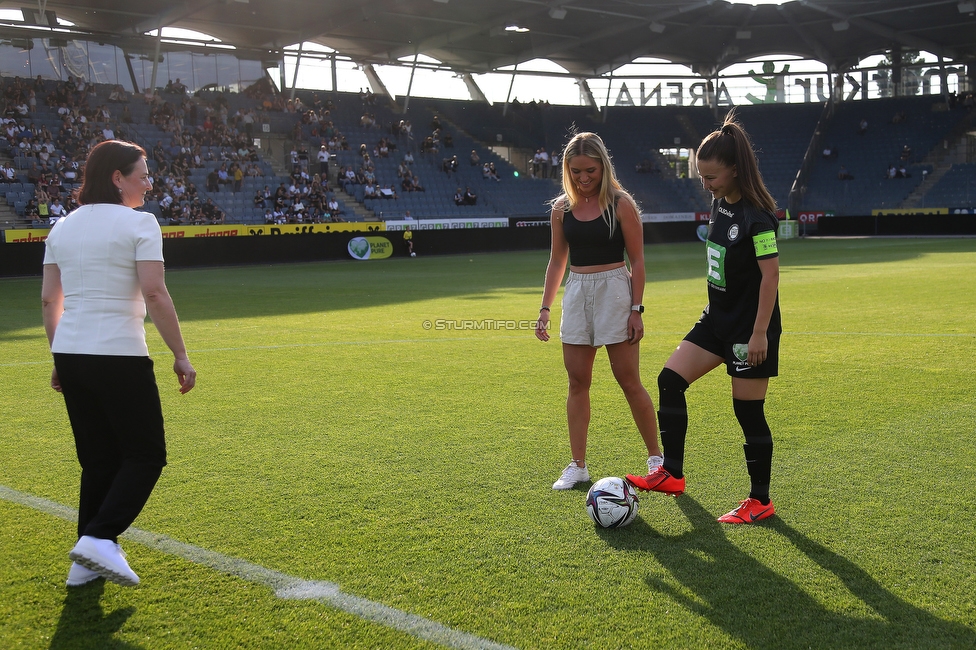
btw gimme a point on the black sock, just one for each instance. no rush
(758, 447)
(672, 419)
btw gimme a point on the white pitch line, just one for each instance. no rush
(284, 586)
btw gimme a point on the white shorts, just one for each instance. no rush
(596, 308)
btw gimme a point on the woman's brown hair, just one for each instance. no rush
(103, 161)
(730, 145)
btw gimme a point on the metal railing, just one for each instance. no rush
(813, 150)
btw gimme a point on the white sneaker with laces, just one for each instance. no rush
(571, 476)
(79, 575)
(104, 557)
(653, 462)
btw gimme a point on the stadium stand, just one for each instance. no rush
(636, 137)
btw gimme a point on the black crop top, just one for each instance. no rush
(590, 242)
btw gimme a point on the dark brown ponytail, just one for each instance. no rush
(730, 145)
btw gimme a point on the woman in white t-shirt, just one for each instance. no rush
(103, 271)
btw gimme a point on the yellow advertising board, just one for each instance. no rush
(188, 232)
(230, 230)
(920, 212)
(313, 228)
(25, 236)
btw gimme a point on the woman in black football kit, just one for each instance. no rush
(740, 325)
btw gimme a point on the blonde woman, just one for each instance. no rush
(594, 223)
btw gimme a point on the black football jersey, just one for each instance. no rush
(737, 239)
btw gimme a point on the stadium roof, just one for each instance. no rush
(586, 37)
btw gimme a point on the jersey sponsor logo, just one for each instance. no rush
(741, 352)
(715, 254)
(728, 213)
(733, 232)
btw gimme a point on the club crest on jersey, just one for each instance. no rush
(733, 232)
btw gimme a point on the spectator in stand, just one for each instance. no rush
(323, 158)
(223, 175)
(450, 164)
(470, 198)
(474, 158)
(458, 197)
(32, 212)
(543, 162)
(7, 173)
(488, 171)
(238, 175)
(862, 127)
(159, 152)
(213, 181)
(57, 210)
(844, 175)
(118, 95)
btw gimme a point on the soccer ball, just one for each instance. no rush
(413, 255)
(612, 502)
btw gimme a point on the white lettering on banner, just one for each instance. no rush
(446, 224)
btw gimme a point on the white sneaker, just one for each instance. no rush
(79, 575)
(106, 558)
(653, 462)
(571, 476)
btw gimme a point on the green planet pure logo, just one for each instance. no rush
(358, 248)
(370, 248)
(741, 351)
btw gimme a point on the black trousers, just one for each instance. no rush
(113, 405)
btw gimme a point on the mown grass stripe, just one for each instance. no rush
(285, 586)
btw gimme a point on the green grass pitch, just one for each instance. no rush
(332, 437)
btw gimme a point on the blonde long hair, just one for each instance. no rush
(611, 191)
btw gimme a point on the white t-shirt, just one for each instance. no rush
(96, 248)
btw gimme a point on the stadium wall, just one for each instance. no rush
(897, 225)
(26, 258)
